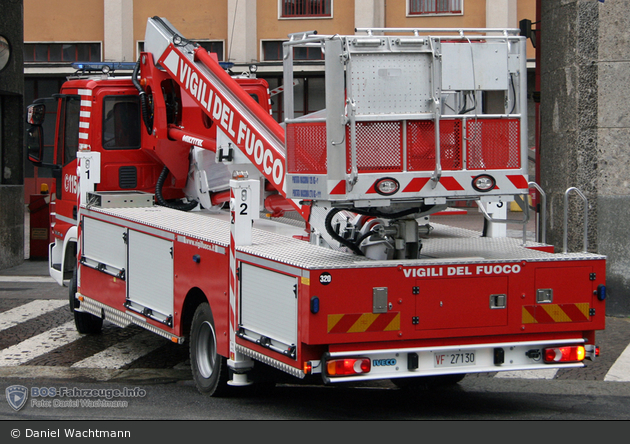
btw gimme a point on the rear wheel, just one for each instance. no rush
(209, 369)
(428, 382)
(85, 323)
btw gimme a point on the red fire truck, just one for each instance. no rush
(308, 246)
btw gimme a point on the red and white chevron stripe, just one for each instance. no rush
(84, 118)
(232, 272)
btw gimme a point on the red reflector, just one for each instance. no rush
(564, 354)
(350, 366)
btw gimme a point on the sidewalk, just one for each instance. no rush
(28, 267)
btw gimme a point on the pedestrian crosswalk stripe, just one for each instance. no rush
(545, 373)
(28, 311)
(123, 353)
(28, 279)
(40, 344)
(620, 371)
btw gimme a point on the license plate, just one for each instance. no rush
(454, 359)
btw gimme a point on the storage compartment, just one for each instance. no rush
(268, 308)
(462, 302)
(150, 282)
(104, 247)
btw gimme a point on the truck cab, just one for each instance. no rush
(101, 115)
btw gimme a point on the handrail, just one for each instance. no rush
(460, 31)
(436, 96)
(305, 120)
(542, 215)
(566, 218)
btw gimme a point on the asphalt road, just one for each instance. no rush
(472, 399)
(601, 391)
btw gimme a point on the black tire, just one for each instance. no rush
(209, 369)
(85, 323)
(428, 382)
(72, 291)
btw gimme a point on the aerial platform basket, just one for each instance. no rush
(428, 115)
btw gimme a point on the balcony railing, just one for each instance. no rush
(429, 7)
(306, 8)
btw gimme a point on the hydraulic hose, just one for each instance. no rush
(147, 117)
(354, 246)
(163, 202)
(338, 238)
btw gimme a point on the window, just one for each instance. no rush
(430, 7)
(309, 96)
(272, 50)
(212, 46)
(121, 122)
(68, 135)
(71, 130)
(305, 8)
(62, 52)
(215, 46)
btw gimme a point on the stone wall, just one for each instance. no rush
(11, 225)
(585, 111)
(613, 150)
(11, 137)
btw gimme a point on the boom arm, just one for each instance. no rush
(256, 136)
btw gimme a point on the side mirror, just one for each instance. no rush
(35, 143)
(35, 113)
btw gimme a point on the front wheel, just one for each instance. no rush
(85, 323)
(209, 369)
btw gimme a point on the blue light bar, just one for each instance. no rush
(98, 66)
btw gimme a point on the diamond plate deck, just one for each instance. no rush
(270, 241)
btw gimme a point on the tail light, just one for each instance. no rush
(386, 186)
(350, 366)
(572, 353)
(483, 183)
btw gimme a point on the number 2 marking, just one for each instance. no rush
(243, 209)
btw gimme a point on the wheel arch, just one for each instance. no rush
(59, 253)
(70, 249)
(193, 298)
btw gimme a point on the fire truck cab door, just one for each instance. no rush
(66, 147)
